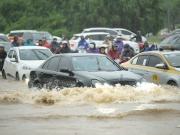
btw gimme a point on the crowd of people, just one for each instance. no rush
(115, 49)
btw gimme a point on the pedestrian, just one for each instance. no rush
(113, 53)
(45, 43)
(82, 44)
(54, 45)
(3, 55)
(65, 48)
(29, 43)
(108, 42)
(138, 37)
(103, 48)
(92, 48)
(89, 39)
(119, 43)
(40, 43)
(145, 46)
(150, 48)
(15, 42)
(127, 53)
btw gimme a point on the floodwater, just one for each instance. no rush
(147, 109)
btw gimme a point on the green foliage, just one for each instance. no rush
(72, 16)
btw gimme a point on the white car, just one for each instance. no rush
(127, 34)
(112, 32)
(98, 38)
(21, 60)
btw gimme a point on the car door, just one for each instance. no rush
(66, 79)
(49, 70)
(139, 64)
(153, 74)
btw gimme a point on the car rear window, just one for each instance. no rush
(19, 34)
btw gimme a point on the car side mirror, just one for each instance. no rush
(161, 66)
(13, 60)
(66, 70)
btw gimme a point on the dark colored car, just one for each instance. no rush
(78, 70)
(5, 42)
(176, 31)
(35, 36)
(173, 42)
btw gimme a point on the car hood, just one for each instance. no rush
(110, 75)
(32, 63)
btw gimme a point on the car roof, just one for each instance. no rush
(79, 54)
(2, 34)
(15, 31)
(120, 29)
(98, 28)
(30, 47)
(91, 33)
(162, 52)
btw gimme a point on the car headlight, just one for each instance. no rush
(26, 67)
(95, 82)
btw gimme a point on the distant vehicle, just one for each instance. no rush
(176, 31)
(159, 67)
(98, 38)
(79, 70)
(5, 41)
(20, 60)
(35, 36)
(18, 33)
(172, 42)
(101, 29)
(126, 34)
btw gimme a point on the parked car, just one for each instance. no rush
(167, 35)
(35, 36)
(159, 67)
(172, 42)
(101, 29)
(20, 60)
(18, 33)
(98, 38)
(79, 70)
(127, 34)
(5, 42)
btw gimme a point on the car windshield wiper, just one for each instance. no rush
(43, 54)
(38, 56)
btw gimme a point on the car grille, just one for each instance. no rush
(123, 82)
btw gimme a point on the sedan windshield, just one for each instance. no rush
(173, 59)
(34, 54)
(94, 63)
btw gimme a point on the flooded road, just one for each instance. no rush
(147, 109)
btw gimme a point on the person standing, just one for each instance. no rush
(108, 42)
(138, 37)
(120, 44)
(113, 52)
(3, 55)
(15, 42)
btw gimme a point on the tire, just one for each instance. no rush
(38, 86)
(4, 75)
(79, 84)
(24, 78)
(172, 83)
(17, 77)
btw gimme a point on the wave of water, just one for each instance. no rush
(143, 93)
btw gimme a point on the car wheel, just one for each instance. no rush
(4, 74)
(79, 84)
(17, 77)
(24, 78)
(172, 83)
(38, 85)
